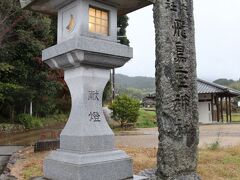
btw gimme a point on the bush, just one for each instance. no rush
(4, 127)
(125, 109)
(214, 146)
(29, 122)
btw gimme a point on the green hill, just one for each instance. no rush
(138, 82)
(140, 86)
(229, 83)
(136, 87)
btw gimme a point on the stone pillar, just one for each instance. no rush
(176, 90)
(86, 85)
(87, 150)
(87, 143)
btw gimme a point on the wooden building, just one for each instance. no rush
(214, 102)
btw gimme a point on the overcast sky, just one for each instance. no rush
(217, 24)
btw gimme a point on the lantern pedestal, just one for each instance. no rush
(87, 143)
(87, 149)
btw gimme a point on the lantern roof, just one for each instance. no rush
(51, 6)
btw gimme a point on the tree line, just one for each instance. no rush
(24, 78)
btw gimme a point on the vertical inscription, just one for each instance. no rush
(93, 95)
(94, 116)
(182, 99)
(171, 5)
(179, 28)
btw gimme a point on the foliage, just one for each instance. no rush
(132, 92)
(214, 146)
(11, 128)
(235, 85)
(125, 109)
(29, 121)
(224, 82)
(138, 82)
(122, 25)
(146, 119)
(235, 117)
(56, 119)
(136, 87)
(23, 76)
(230, 83)
(107, 93)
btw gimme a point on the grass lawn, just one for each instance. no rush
(218, 164)
(235, 117)
(146, 119)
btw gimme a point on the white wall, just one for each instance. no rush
(204, 110)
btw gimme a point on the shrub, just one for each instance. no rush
(11, 127)
(125, 109)
(214, 146)
(29, 122)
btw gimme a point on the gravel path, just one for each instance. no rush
(227, 135)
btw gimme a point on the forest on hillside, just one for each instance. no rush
(229, 83)
(138, 87)
(27, 85)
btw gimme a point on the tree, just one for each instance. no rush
(122, 25)
(224, 82)
(125, 109)
(23, 35)
(8, 11)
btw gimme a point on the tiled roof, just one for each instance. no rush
(205, 87)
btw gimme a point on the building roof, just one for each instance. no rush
(51, 6)
(205, 87)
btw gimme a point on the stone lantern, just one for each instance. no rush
(87, 49)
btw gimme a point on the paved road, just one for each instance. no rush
(227, 135)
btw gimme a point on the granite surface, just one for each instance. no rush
(87, 150)
(84, 50)
(176, 90)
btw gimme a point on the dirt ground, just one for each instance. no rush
(225, 134)
(218, 164)
(211, 162)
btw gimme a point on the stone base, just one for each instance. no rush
(139, 178)
(134, 178)
(110, 165)
(192, 176)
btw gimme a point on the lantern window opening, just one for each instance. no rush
(98, 21)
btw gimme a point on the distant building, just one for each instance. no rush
(214, 102)
(149, 101)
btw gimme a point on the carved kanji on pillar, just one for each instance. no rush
(176, 89)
